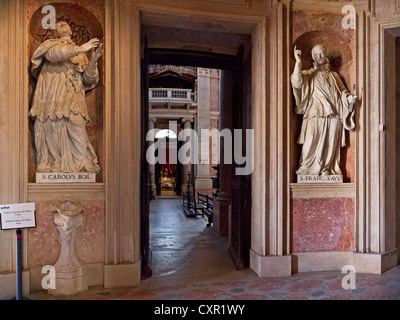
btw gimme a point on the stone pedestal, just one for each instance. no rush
(71, 274)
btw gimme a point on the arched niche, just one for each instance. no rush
(84, 26)
(83, 23)
(339, 51)
(340, 56)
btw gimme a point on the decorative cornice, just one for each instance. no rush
(58, 191)
(318, 190)
(330, 6)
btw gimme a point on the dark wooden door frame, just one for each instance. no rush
(239, 248)
(145, 202)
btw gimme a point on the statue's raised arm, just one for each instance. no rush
(297, 55)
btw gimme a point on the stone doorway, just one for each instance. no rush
(392, 136)
(231, 222)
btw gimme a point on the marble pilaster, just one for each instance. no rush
(187, 124)
(203, 180)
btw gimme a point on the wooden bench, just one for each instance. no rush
(207, 205)
(190, 207)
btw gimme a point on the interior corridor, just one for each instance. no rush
(186, 252)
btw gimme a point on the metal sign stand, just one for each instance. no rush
(16, 217)
(19, 267)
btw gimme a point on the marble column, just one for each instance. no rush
(123, 145)
(187, 124)
(203, 179)
(152, 124)
(223, 201)
(13, 134)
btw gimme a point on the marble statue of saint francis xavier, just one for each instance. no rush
(328, 110)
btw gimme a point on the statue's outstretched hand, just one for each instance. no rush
(97, 53)
(297, 54)
(352, 99)
(91, 44)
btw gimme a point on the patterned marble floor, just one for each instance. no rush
(191, 262)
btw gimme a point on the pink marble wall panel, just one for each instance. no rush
(42, 247)
(91, 235)
(325, 224)
(42, 242)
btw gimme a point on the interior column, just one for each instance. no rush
(152, 124)
(187, 125)
(203, 179)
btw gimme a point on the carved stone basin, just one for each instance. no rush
(68, 208)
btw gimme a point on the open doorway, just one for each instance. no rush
(392, 138)
(237, 217)
(167, 173)
(172, 101)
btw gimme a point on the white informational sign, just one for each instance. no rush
(17, 216)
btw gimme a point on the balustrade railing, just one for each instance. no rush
(172, 94)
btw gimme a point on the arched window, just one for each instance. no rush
(166, 133)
